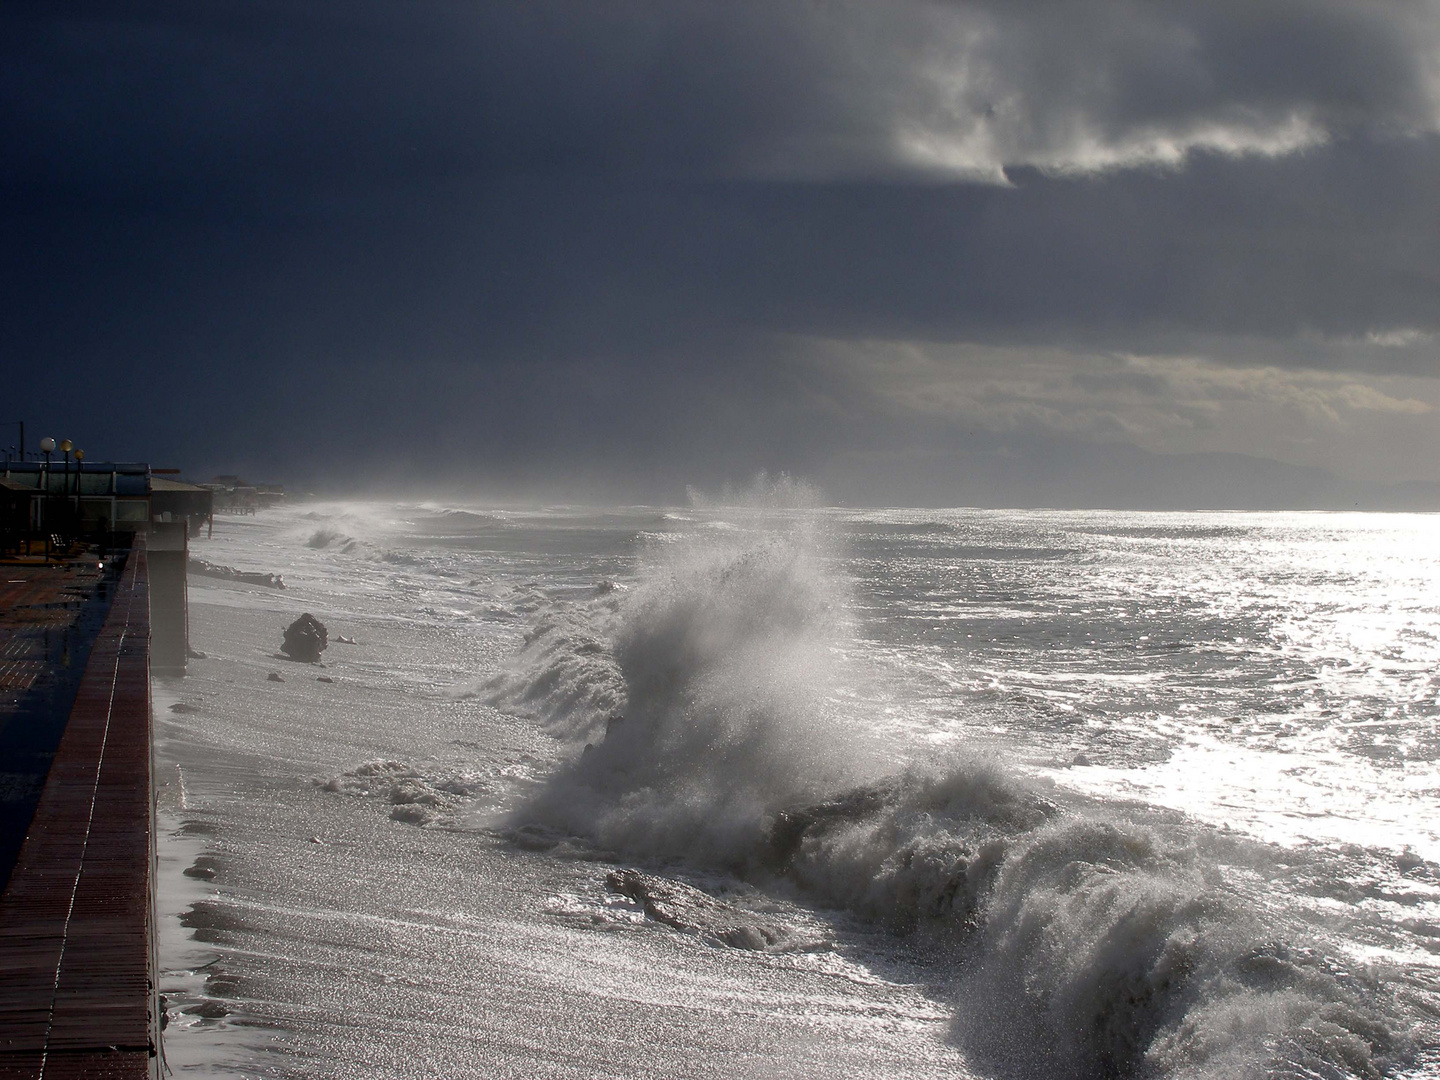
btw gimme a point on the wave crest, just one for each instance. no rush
(707, 685)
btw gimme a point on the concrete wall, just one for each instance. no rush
(167, 550)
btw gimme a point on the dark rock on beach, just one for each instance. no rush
(305, 639)
(202, 568)
(685, 908)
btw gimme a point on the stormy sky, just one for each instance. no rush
(1090, 253)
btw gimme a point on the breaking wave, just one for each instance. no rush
(1081, 942)
(324, 537)
(696, 697)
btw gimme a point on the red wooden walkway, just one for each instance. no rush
(34, 600)
(76, 991)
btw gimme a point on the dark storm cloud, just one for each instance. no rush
(584, 238)
(365, 95)
(374, 93)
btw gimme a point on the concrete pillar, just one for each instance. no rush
(168, 549)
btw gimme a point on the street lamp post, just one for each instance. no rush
(47, 445)
(79, 470)
(66, 445)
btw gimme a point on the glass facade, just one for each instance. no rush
(132, 510)
(98, 493)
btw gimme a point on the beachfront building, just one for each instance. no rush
(65, 498)
(43, 502)
(234, 495)
(54, 510)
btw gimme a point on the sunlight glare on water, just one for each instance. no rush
(1278, 673)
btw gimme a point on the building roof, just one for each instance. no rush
(160, 483)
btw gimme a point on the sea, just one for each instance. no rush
(754, 787)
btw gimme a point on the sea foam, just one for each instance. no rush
(1079, 943)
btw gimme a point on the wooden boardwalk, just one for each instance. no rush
(34, 601)
(50, 616)
(77, 997)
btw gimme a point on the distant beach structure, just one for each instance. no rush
(234, 495)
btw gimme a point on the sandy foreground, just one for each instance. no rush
(325, 917)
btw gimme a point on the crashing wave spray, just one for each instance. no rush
(709, 684)
(1083, 944)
